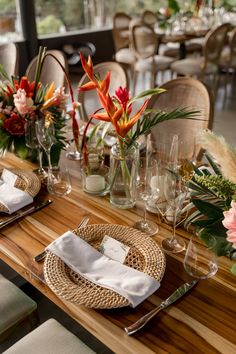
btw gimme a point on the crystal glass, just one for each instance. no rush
(74, 153)
(45, 133)
(32, 142)
(147, 172)
(175, 193)
(200, 261)
(59, 182)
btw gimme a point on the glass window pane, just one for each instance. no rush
(58, 16)
(10, 24)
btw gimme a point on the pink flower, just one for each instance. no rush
(24, 104)
(230, 223)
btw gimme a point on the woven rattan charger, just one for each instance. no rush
(144, 255)
(27, 181)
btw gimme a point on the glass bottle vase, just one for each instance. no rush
(123, 175)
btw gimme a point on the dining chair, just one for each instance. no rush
(89, 99)
(190, 93)
(120, 33)
(16, 308)
(50, 338)
(149, 18)
(228, 57)
(51, 69)
(145, 44)
(208, 63)
(9, 58)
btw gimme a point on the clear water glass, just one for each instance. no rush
(200, 261)
(59, 182)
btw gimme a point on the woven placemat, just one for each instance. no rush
(144, 255)
(27, 181)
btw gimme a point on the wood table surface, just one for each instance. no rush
(203, 321)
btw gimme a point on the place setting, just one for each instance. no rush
(18, 188)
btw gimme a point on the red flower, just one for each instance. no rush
(122, 95)
(15, 125)
(26, 85)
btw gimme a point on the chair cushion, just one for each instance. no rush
(192, 67)
(161, 62)
(125, 55)
(50, 338)
(15, 305)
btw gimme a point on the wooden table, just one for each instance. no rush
(204, 321)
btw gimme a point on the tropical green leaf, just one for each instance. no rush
(217, 230)
(212, 211)
(213, 165)
(3, 73)
(147, 93)
(20, 148)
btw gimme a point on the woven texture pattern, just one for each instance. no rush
(144, 255)
(27, 181)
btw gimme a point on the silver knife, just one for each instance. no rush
(28, 211)
(177, 294)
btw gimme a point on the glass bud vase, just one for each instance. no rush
(123, 175)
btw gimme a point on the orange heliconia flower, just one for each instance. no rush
(115, 111)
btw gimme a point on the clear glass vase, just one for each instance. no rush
(123, 175)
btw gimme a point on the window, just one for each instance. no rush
(10, 24)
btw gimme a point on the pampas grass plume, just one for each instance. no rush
(222, 152)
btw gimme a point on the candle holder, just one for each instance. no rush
(95, 180)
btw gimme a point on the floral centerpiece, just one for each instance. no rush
(213, 196)
(128, 126)
(22, 100)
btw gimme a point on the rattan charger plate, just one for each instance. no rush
(27, 181)
(144, 255)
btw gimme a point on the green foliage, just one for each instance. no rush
(50, 24)
(211, 195)
(150, 120)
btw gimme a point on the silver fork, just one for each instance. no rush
(39, 257)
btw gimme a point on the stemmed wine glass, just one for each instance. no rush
(32, 142)
(147, 172)
(200, 261)
(175, 193)
(45, 133)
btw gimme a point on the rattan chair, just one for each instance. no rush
(9, 58)
(120, 32)
(145, 43)
(149, 18)
(51, 69)
(89, 99)
(191, 94)
(208, 63)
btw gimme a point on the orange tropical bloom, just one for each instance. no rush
(115, 111)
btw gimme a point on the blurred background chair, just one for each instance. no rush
(15, 308)
(184, 93)
(72, 52)
(208, 63)
(121, 35)
(51, 69)
(9, 58)
(228, 56)
(145, 43)
(89, 99)
(149, 18)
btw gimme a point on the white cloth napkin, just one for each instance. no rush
(11, 197)
(94, 266)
